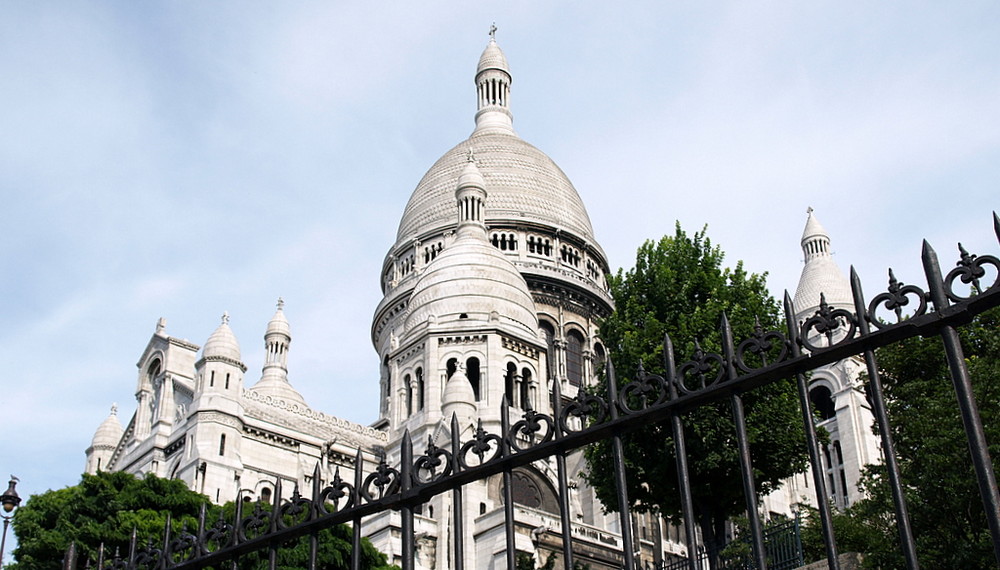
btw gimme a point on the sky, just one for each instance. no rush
(181, 159)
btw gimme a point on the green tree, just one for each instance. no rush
(679, 286)
(106, 507)
(949, 523)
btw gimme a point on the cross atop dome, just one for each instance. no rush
(493, 32)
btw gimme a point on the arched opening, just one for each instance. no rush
(550, 335)
(822, 402)
(600, 359)
(574, 358)
(472, 371)
(509, 382)
(526, 389)
(409, 394)
(420, 389)
(265, 495)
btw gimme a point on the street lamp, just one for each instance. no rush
(8, 502)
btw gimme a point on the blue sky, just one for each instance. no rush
(181, 159)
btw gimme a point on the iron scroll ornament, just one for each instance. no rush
(895, 299)
(971, 269)
(826, 322)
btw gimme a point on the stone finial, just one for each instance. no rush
(281, 304)
(493, 31)
(161, 325)
(225, 317)
(114, 409)
(809, 210)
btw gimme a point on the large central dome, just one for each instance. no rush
(523, 183)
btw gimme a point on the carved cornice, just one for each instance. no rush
(462, 339)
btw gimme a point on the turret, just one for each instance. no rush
(106, 439)
(274, 377)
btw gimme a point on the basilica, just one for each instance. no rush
(493, 290)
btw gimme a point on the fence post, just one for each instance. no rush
(966, 400)
(877, 401)
(822, 499)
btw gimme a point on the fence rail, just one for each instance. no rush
(766, 357)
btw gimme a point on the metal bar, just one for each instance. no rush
(458, 523)
(877, 402)
(962, 383)
(812, 444)
(272, 549)
(356, 522)
(165, 551)
(564, 514)
(618, 454)
(406, 510)
(680, 452)
(314, 536)
(743, 442)
(508, 492)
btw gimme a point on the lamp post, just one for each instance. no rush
(8, 502)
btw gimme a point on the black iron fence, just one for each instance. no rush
(782, 545)
(767, 357)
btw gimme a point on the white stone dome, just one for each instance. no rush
(472, 282)
(820, 275)
(109, 433)
(279, 324)
(222, 343)
(523, 184)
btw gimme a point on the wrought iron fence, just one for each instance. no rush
(766, 357)
(782, 545)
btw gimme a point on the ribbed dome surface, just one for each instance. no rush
(523, 185)
(109, 432)
(492, 58)
(278, 323)
(222, 343)
(472, 278)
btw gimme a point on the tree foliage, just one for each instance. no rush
(946, 512)
(679, 286)
(105, 508)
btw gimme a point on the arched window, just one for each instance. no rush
(265, 495)
(508, 382)
(222, 444)
(409, 394)
(822, 402)
(472, 371)
(550, 335)
(420, 389)
(525, 389)
(600, 359)
(386, 385)
(574, 358)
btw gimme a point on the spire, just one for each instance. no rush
(820, 275)
(493, 81)
(274, 379)
(471, 199)
(276, 340)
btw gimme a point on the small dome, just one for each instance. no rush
(109, 433)
(471, 177)
(279, 324)
(471, 281)
(492, 58)
(820, 275)
(457, 391)
(279, 389)
(222, 342)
